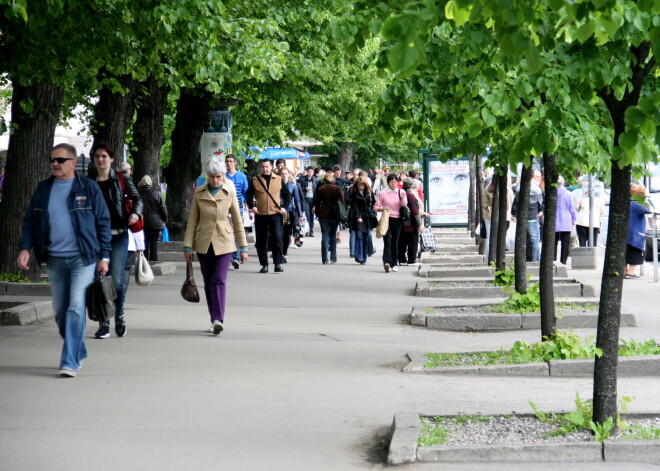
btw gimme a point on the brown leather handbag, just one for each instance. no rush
(189, 289)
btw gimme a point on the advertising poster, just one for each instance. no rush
(448, 191)
(214, 143)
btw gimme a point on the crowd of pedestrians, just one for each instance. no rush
(100, 219)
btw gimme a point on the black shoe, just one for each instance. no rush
(311, 234)
(235, 264)
(264, 269)
(283, 260)
(120, 326)
(278, 269)
(103, 332)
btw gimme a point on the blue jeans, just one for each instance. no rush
(69, 280)
(361, 246)
(328, 239)
(533, 247)
(309, 202)
(351, 242)
(237, 255)
(119, 246)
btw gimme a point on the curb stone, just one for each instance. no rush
(484, 321)
(27, 313)
(403, 447)
(643, 365)
(407, 428)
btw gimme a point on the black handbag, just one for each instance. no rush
(189, 290)
(101, 296)
(340, 212)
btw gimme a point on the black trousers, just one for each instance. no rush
(408, 242)
(583, 235)
(263, 226)
(288, 232)
(565, 239)
(391, 243)
(151, 244)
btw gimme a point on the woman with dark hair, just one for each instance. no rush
(636, 232)
(389, 201)
(360, 215)
(116, 188)
(410, 227)
(325, 205)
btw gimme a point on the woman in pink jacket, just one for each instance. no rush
(390, 200)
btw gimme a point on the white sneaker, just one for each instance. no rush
(387, 267)
(414, 264)
(217, 327)
(395, 268)
(67, 372)
(210, 329)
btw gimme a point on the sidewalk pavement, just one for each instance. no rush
(306, 376)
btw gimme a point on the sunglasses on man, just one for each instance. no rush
(59, 160)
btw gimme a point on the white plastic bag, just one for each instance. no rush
(143, 274)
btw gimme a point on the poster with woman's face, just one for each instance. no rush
(449, 191)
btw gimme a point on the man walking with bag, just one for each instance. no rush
(268, 199)
(74, 247)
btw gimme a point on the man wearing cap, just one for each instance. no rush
(74, 245)
(268, 199)
(155, 216)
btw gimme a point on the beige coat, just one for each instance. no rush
(208, 221)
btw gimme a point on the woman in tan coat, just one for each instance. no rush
(210, 233)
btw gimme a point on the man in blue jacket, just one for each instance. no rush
(74, 246)
(241, 183)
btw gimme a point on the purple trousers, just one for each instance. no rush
(214, 271)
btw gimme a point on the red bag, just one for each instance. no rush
(128, 206)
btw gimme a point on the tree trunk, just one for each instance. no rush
(473, 220)
(148, 130)
(520, 257)
(30, 144)
(345, 156)
(113, 116)
(501, 225)
(609, 310)
(546, 276)
(191, 115)
(494, 219)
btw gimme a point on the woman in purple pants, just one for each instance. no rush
(212, 234)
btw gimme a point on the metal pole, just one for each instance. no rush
(592, 242)
(654, 241)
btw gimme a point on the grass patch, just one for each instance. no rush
(562, 346)
(430, 310)
(17, 277)
(430, 435)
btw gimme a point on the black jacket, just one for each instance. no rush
(360, 207)
(117, 195)
(155, 212)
